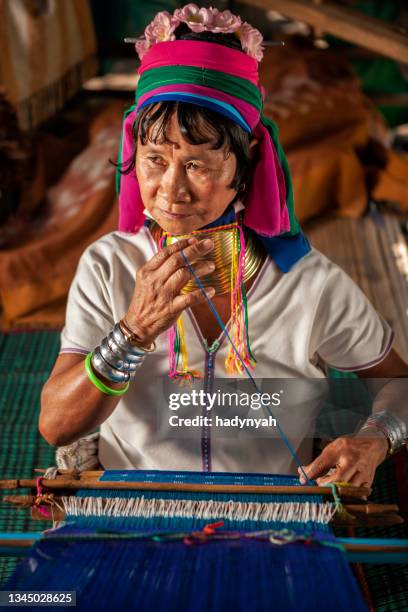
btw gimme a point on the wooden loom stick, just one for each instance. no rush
(26, 501)
(351, 546)
(347, 491)
(360, 515)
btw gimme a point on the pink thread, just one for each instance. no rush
(40, 490)
(172, 334)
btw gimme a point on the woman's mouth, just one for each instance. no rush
(171, 215)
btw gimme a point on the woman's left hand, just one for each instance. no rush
(349, 459)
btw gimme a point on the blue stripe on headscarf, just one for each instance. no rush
(223, 108)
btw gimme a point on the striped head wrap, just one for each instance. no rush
(225, 80)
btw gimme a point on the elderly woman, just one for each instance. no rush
(205, 190)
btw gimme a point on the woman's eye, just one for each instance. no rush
(195, 167)
(157, 161)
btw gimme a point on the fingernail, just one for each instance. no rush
(192, 240)
(211, 266)
(208, 243)
(210, 291)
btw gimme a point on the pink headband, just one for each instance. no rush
(203, 55)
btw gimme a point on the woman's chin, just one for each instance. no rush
(175, 226)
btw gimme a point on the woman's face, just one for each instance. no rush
(184, 186)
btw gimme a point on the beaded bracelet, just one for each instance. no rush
(98, 383)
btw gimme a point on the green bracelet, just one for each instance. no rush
(98, 383)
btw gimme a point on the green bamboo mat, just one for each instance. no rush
(26, 359)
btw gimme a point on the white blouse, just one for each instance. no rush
(299, 322)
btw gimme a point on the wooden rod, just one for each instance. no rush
(371, 508)
(369, 520)
(351, 25)
(91, 483)
(357, 519)
(26, 501)
(349, 546)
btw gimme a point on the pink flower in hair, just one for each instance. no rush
(251, 40)
(226, 23)
(196, 18)
(161, 28)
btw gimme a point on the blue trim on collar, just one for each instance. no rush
(286, 251)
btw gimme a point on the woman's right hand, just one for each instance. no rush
(157, 300)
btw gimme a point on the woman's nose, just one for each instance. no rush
(174, 185)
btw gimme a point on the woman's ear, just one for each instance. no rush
(253, 147)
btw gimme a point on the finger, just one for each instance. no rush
(361, 479)
(179, 260)
(181, 302)
(182, 276)
(340, 474)
(321, 465)
(159, 258)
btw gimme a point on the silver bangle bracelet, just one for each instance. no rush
(107, 371)
(124, 344)
(117, 359)
(121, 353)
(391, 425)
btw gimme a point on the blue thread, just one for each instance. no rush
(221, 324)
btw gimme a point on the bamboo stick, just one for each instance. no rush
(26, 501)
(361, 515)
(91, 483)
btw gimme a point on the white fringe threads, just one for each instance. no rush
(283, 512)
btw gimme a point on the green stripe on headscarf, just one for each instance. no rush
(180, 75)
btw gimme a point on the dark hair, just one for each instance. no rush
(197, 124)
